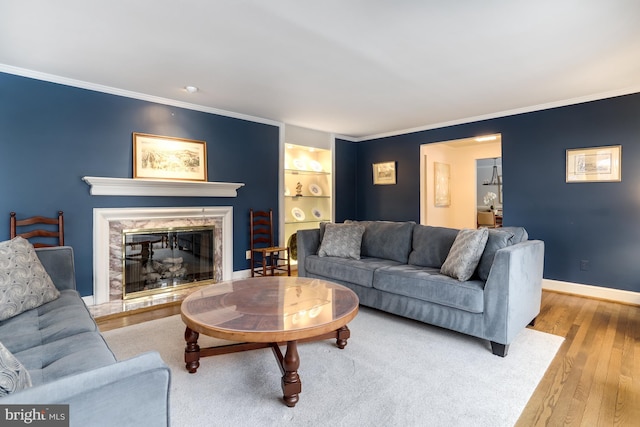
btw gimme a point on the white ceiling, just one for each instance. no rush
(352, 67)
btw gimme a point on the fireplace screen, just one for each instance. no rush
(157, 261)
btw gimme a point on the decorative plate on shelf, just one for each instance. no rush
(315, 190)
(315, 166)
(298, 214)
(300, 164)
(316, 213)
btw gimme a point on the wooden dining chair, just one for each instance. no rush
(486, 219)
(266, 258)
(39, 227)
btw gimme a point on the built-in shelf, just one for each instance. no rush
(100, 186)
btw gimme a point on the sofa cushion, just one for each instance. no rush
(24, 283)
(386, 239)
(13, 375)
(498, 239)
(431, 245)
(341, 240)
(465, 254)
(359, 272)
(52, 321)
(72, 355)
(427, 284)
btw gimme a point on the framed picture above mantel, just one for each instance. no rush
(165, 157)
(596, 164)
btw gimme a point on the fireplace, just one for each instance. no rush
(160, 260)
(160, 235)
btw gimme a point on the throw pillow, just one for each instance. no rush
(24, 283)
(498, 239)
(13, 375)
(465, 254)
(341, 240)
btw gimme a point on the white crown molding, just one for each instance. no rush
(150, 98)
(100, 186)
(530, 109)
(9, 69)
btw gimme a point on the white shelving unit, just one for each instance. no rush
(307, 188)
(307, 180)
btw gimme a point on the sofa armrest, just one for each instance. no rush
(131, 392)
(58, 261)
(513, 291)
(308, 242)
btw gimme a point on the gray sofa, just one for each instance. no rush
(69, 362)
(399, 272)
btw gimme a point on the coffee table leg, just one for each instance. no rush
(342, 335)
(191, 351)
(291, 384)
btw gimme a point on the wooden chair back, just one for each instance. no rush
(39, 227)
(261, 228)
(486, 219)
(265, 257)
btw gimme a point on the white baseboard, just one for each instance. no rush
(609, 294)
(88, 300)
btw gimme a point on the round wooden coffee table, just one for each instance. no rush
(267, 312)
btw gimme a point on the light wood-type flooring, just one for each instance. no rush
(594, 379)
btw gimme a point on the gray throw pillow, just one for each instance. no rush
(13, 375)
(341, 240)
(498, 239)
(24, 283)
(465, 254)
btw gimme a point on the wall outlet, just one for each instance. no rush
(248, 254)
(584, 265)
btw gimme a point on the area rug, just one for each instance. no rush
(393, 371)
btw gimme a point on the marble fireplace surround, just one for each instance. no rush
(108, 224)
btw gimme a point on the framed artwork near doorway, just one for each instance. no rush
(597, 164)
(442, 181)
(384, 173)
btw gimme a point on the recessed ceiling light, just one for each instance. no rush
(191, 89)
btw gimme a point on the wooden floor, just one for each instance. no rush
(594, 379)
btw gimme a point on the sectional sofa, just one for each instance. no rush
(406, 269)
(54, 354)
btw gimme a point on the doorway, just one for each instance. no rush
(459, 157)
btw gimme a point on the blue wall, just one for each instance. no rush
(52, 135)
(346, 162)
(598, 222)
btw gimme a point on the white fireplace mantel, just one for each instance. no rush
(155, 187)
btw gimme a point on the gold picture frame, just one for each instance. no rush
(384, 173)
(596, 164)
(441, 184)
(165, 157)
